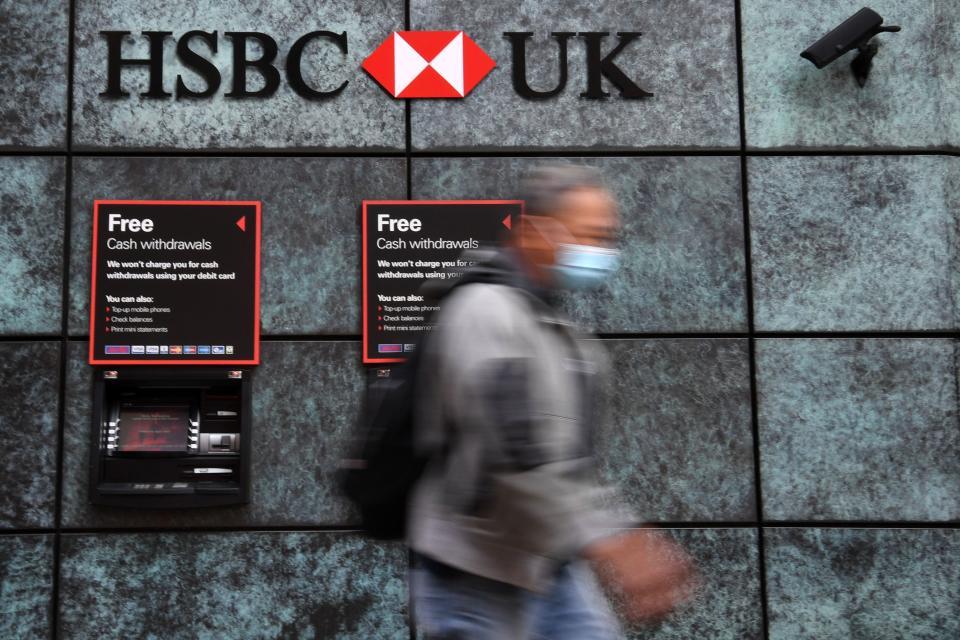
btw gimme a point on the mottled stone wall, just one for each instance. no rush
(783, 328)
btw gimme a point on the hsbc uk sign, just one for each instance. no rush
(408, 64)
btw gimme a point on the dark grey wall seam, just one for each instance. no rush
(64, 330)
(752, 525)
(408, 134)
(61, 404)
(751, 341)
(480, 153)
(407, 117)
(952, 525)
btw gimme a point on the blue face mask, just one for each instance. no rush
(581, 266)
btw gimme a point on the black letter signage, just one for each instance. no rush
(600, 66)
(264, 64)
(116, 62)
(295, 73)
(518, 44)
(203, 67)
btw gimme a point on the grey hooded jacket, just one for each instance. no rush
(510, 391)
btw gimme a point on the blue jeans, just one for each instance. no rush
(449, 604)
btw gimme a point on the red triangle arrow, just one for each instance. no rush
(508, 223)
(242, 223)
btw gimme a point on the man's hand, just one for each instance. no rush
(645, 573)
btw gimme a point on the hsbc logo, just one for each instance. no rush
(407, 64)
(428, 64)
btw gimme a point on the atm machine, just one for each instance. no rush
(174, 334)
(170, 437)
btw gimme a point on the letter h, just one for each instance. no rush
(116, 62)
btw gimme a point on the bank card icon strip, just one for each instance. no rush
(389, 348)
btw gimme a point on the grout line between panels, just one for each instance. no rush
(751, 341)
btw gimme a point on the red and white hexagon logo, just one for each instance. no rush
(428, 64)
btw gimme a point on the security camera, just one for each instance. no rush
(855, 32)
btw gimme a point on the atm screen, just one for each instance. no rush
(153, 428)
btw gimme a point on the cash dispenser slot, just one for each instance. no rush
(165, 438)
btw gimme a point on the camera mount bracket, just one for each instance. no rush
(867, 48)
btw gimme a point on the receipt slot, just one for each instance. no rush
(170, 437)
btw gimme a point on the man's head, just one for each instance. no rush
(570, 226)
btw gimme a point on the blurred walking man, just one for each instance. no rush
(509, 528)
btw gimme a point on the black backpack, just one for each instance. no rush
(379, 477)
